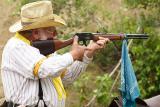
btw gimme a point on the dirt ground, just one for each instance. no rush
(6, 10)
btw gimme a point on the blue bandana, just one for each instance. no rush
(129, 86)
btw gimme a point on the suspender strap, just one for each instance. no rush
(40, 94)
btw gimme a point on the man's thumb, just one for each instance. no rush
(75, 40)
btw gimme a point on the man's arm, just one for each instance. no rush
(80, 66)
(28, 62)
(24, 58)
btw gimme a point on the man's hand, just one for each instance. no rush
(95, 46)
(77, 51)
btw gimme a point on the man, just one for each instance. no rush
(31, 79)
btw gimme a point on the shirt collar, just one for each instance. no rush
(20, 37)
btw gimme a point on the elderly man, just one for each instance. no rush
(32, 79)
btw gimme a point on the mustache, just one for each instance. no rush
(55, 38)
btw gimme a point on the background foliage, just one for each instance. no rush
(117, 16)
(147, 62)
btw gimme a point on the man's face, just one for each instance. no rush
(47, 33)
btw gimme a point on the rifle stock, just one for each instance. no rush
(62, 43)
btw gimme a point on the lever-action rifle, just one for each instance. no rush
(49, 46)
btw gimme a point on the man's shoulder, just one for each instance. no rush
(14, 43)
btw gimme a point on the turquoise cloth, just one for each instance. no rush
(129, 86)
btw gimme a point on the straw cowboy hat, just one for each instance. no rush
(36, 15)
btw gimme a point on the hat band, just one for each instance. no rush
(26, 21)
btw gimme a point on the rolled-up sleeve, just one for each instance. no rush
(75, 70)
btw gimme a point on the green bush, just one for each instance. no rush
(147, 55)
(103, 91)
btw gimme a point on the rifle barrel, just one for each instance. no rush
(136, 36)
(122, 36)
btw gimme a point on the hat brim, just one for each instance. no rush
(52, 20)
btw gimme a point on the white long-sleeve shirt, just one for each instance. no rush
(19, 83)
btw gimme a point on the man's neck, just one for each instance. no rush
(27, 36)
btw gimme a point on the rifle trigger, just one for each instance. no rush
(84, 43)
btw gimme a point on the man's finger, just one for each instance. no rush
(101, 42)
(102, 38)
(87, 49)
